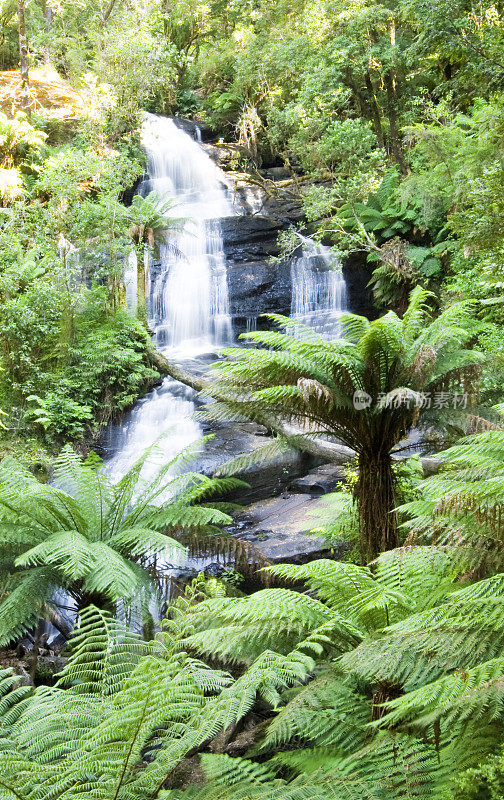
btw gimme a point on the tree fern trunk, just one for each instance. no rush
(101, 601)
(375, 111)
(395, 137)
(375, 497)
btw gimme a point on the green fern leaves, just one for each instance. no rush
(98, 541)
(325, 698)
(395, 365)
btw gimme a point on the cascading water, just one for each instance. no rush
(187, 302)
(131, 282)
(319, 295)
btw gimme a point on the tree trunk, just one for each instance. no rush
(48, 15)
(166, 11)
(375, 489)
(142, 284)
(374, 494)
(24, 64)
(358, 99)
(395, 139)
(108, 12)
(375, 111)
(34, 656)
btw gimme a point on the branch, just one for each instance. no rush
(107, 12)
(328, 452)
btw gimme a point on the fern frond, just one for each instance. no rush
(329, 712)
(102, 654)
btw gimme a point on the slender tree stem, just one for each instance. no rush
(24, 64)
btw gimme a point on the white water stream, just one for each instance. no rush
(319, 294)
(187, 300)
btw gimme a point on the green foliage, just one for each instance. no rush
(19, 141)
(461, 506)
(58, 415)
(390, 228)
(98, 541)
(150, 221)
(73, 234)
(363, 684)
(353, 95)
(80, 188)
(380, 682)
(130, 713)
(438, 643)
(98, 359)
(455, 154)
(20, 147)
(108, 366)
(394, 362)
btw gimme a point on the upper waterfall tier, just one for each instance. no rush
(188, 297)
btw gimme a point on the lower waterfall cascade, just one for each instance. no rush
(187, 297)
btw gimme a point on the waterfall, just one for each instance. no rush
(188, 303)
(319, 294)
(188, 299)
(167, 406)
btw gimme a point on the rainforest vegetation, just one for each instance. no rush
(377, 671)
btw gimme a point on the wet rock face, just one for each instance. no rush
(269, 205)
(319, 481)
(280, 527)
(255, 285)
(264, 477)
(191, 127)
(357, 274)
(251, 238)
(257, 288)
(227, 156)
(285, 207)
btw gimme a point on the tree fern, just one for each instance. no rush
(313, 384)
(462, 506)
(96, 540)
(103, 654)
(329, 712)
(368, 711)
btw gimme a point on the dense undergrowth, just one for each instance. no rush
(389, 116)
(71, 355)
